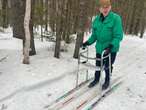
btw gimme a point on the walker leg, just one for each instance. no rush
(77, 78)
(87, 74)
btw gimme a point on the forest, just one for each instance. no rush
(59, 19)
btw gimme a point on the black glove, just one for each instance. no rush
(108, 49)
(85, 44)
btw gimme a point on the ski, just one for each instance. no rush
(94, 94)
(67, 94)
(74, 97)
(104, 94)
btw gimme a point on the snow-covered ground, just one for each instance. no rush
(32, 87)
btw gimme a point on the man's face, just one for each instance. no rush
(105, 10)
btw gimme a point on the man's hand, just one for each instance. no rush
(85, 44)
(108, 49)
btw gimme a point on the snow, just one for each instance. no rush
(32, 87)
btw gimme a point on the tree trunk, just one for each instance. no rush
(143, 22)
(82, 23)
(46, 15)
(78, 44)
(5, 13)
(142, 30)
(57, 46)
(132, 19)
(18, 18)
(58, 31)
(32, 43)
(27, 31)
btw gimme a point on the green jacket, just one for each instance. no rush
(107, 32)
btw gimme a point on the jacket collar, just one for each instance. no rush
(107, 18)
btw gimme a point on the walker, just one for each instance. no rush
(85, 55)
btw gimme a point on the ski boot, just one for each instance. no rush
(107, 80)
(96, 79)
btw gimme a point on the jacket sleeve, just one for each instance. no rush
(117, 31)
(92, 38)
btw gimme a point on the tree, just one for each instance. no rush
(18, 22)
(46, 14)
(31, 24)
(58, 28)
(27, 31)
(83, 17)
(132, 12)
(143, 21)
(18, 18)
(5, 13)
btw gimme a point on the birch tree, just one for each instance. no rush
(27, 32)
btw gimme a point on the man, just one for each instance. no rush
(107, 32)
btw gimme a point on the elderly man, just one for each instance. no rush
(107, 32)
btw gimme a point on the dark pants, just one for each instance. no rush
(106, 66)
